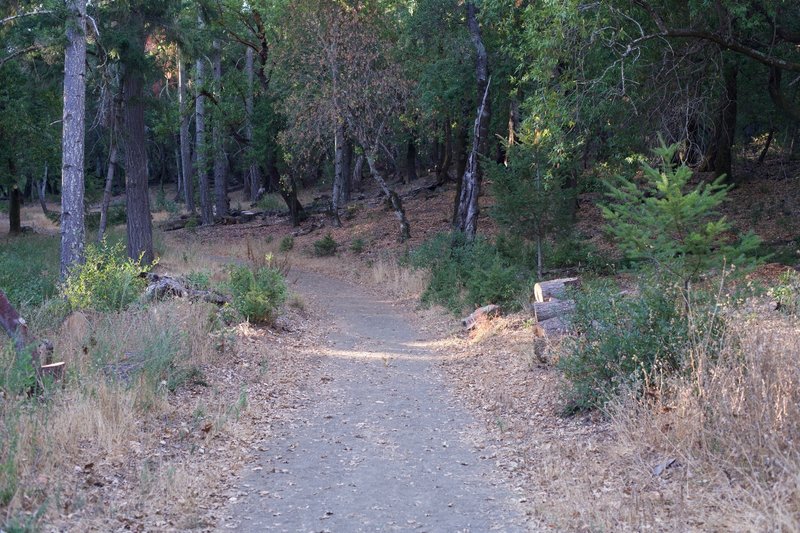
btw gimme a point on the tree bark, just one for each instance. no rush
(358, 171)
(481, 73)
(206, 213)
(220, 158)
(470, 189)
(394, 199)
(552, 309)
(185, 141)
(253, 178)
(113, 152)
(552, 328)
(41, 189)
(726, 128)
(14, 205)
(137, 198)
(411, 161)
(73, 232)
(288, 192)
(337, 196)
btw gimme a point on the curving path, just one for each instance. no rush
(382, 448)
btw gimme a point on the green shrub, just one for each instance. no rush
(272, 203)
(107, 281)
(115, 216)
(29, 268)
(358, 246)
(326, 246)
(677, 230)
(287, 243)
(468, 274)
(258, 293)
(200, 280)
(787, 292)
(625, 342)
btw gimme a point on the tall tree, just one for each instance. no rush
(186, 148)
(73, 233)
(220, 158)
(201, 146)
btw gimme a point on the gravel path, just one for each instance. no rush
(383, 447)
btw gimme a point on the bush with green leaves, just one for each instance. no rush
(326, 246)
(787, 292)
(287, 243)
(107, 281)
(677, 230)
(623, 342)
(465, 275)
(358, 246)
(257, 293)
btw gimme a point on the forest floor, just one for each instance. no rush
(290, 412)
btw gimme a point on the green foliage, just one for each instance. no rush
(358, 245)
(257, 293)
(326, 246)
(531, 199)
(107, 281)
(286, 244)
(467, 274)
(659, 221)
(115, 216)
(787, 292)
(272, 203)
(29, 268)
(624, 342)
(199, 280)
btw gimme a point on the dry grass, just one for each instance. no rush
(31, 215)
(732, 428)
(401, 281)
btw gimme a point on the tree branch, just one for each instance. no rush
(19, 52)
(21, 15)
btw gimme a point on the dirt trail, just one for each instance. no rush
(384, 446)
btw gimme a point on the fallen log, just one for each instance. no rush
(555, 288)
(471, 321)
(552, 309)
(552, 328)
(163, 287)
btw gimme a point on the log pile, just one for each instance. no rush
(552, 307)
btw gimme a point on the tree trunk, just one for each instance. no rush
(186, 143)
(347, 171)
(42, 188)
(763, 155)
(513, 124)
(206, 213)
(358, 171)
(556, 288)
(288, 192)
(411, 161)
(73, 232)
(253, 178)
(552, 328)
(338, 175)
(726, 128)
(113, 152)
(443, 168)
(394, 199)
(220, 158)
(137, 198)
(470, 189)
(468, 208)
(14, 205)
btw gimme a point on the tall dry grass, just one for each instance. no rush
(121, 367)
(733, 428)
(401, 281)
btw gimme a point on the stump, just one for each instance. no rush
(471, 321)
(554, 308)
(552, 328)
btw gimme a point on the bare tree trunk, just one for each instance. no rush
(411, 161)
(220, 158)
(14, 206)
(337, 197)
(394, 199)
(113, 157)
(358, 170)
(726, 128)
(347, 171)
(468, 208)
(253, 179)
(481, 73)
(137, 197)
(42, 188)
(73, 232)
(206, 214)
(443, 167)
(186, 148)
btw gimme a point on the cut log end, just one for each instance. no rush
(471, 321)
(558, 289)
